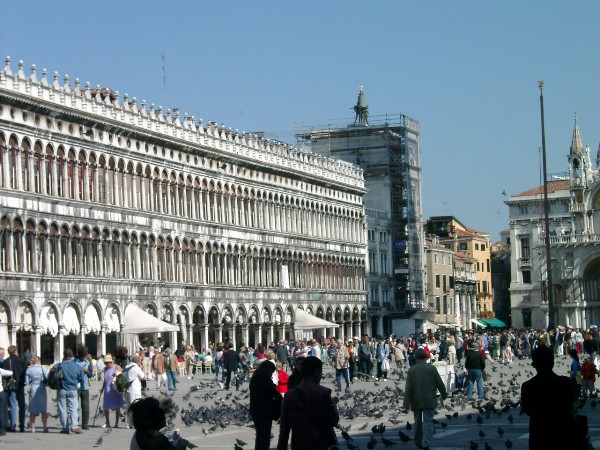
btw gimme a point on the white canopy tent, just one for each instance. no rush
(138, 321)
(305, 323)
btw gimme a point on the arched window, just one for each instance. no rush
(25, 162)
(5, 234)
(13, 154)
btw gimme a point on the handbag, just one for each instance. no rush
(385, 365)
(9, 384)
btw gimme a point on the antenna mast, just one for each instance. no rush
(164, 76)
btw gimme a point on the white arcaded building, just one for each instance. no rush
(107, 201)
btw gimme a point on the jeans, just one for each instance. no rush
(171, 379)
(84, 402)
(423, 427)
(475, 376)
(338, 378)
(365, 367)
(67, 406)
(14, 399)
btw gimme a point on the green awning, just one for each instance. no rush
(496, 323)
(479, 323)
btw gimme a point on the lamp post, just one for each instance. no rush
(550, 294)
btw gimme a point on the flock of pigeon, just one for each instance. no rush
(484, 423)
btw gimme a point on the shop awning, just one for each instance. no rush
(306, 321)
(92, 321)
(113, 324)
(496, 323)
(71, 321)
(478, 323)
(138, 321)
(48, 321)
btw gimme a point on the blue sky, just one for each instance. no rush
(466, 70)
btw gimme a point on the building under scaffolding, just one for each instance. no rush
(388, 150)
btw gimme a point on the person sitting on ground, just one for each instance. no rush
(149, 417)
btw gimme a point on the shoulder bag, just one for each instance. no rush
(9, 384)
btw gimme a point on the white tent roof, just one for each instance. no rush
(306, 321)
(139, 321)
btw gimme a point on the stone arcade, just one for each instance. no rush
(106, 201)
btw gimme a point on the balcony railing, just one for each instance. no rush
(582, 238)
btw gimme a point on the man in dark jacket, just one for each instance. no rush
(308, 411)
(231, 360)
(475, 365)
(365, 357)
(15, 364)
(548, 401)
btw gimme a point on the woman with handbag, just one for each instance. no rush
(113, 399)
(36, 377)
(265, 403)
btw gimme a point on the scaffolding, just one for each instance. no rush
(388, 149)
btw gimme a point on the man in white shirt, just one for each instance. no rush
(135, 375)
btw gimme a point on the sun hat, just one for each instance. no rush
(108, 359)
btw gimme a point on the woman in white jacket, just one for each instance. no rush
(3, 411)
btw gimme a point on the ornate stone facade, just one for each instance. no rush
(574, 212)
(106, 201)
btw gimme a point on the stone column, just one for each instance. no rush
(245, 333)
(204, 329)
(61, 342)
(257, 334)
(85, 184)
(103, 339)
(13, 334)
(218, 334)
(269, 333)
(232, 339)
(37, 340)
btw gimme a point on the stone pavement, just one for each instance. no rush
(450, 434)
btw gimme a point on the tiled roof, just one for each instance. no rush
(553, 186)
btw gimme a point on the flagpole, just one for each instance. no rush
(549, 287)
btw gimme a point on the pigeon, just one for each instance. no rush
(387, 442)
(479, 420)
(364, 427)
(444, 424)
(473, 445)
(372, 442)
(408, 426)
(488, 446)
(403, 436)
(500, 431)
(469, 416)
(346, 436)
(508, 443)
(240, 442)
(481, 434)
(98, 442)
(511, 418)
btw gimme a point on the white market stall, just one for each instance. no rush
(137, 322)
(305, 324)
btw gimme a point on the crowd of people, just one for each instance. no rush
(284, 376)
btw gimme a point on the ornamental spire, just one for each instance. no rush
(576, 144)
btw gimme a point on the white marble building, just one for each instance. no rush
(574, 238)
(105, 201)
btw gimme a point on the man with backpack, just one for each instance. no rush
(72, 375)
(133, 386)
(84, 389)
